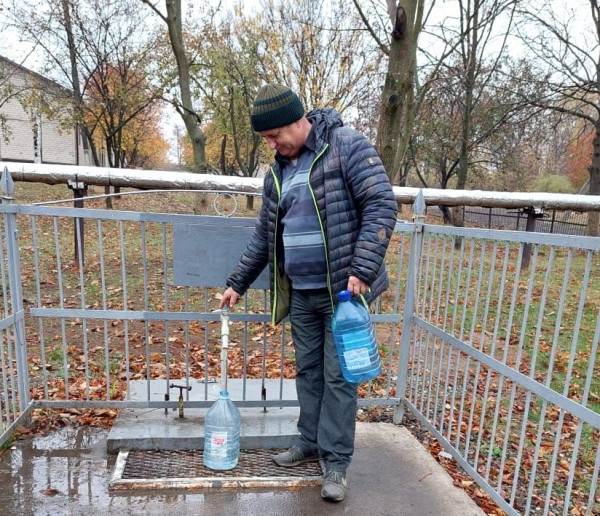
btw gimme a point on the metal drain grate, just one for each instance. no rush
(159, 469)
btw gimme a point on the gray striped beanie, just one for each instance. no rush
(275, 106)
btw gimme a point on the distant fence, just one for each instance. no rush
(546, 221)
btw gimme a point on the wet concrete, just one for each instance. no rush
(68, 473)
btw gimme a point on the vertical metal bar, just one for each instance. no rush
(61, 304)
(36, 263)
(421, 296)
(424, 351)
(245, 346)
(8, 385)
(104, 307)
(283, 342)
(84, 321)
(146, 308)
(167, 308)
(467, 289)
(412, 391)
(186, 333)
(206, 345)
(434, 322)
(409, 303)
(125, 307)
(263, 388)
(458, 284)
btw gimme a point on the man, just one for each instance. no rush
(327, 215)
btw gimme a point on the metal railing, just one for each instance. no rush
(544, 221)
(503, 364)
(489, 337)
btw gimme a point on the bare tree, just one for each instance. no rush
(397, 114)
(184, 106)
(571, 72)
(474, 72)
(321, 50)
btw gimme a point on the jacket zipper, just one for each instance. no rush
(275, 270)
(312, 193)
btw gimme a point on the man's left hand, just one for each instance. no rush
(357, 286)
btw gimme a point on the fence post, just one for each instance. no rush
(410, 302)
(79, 191)
(533, 214)
(16, 291)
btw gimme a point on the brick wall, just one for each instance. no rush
(56, 145)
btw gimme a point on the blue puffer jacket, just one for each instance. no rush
(357, 211)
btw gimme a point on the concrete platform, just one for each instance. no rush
(147, 429)
(68, 473)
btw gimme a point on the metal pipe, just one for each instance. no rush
(169, 180)
(224, 347)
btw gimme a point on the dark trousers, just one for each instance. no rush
(327, 402)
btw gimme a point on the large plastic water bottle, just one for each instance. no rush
(355, 340)
(222, 428)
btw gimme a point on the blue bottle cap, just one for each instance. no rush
(344, 295)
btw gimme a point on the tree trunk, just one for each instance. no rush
(594, 216)
(189, 116)
(77, 93)
(397, 102)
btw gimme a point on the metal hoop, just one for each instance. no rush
(235, 205)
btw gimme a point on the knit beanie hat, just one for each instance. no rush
(275, 106)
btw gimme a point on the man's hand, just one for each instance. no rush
(229, 299)
(357, 286)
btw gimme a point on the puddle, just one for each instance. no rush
(68, 473)
(40, 475)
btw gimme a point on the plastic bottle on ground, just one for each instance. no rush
(222, 428)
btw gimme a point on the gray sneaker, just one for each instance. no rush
(294, 457)
(334, 486)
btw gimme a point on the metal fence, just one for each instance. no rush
(502, 365)
(563, 222)
(489, 337)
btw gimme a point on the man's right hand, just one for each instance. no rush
(230, 298)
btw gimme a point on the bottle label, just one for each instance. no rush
(218, 444)
(357, 358)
